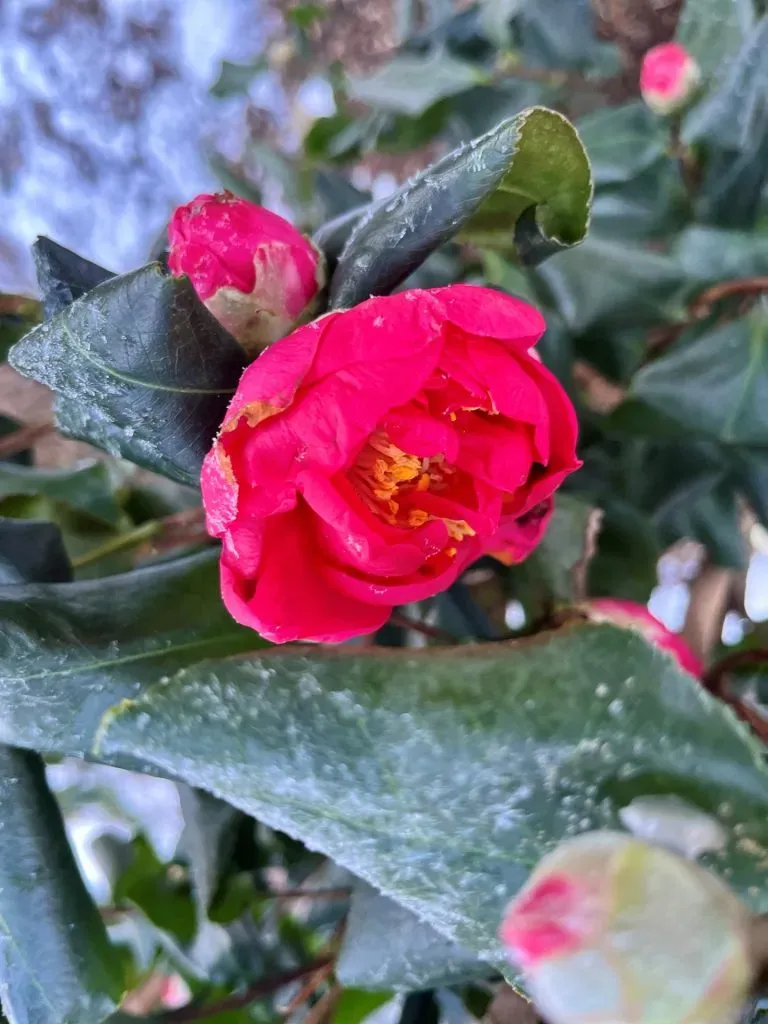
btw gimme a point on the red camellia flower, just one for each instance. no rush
(255, 272)
(370, 456)
(668, 77)
(632, 615)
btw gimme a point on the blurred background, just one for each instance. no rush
(112, 112)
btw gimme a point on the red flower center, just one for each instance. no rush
(389, 481)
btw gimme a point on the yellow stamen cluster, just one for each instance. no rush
(383, 471)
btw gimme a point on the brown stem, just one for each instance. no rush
(508, 1007)
(758, 949)
(323, 1010)
(600, 394)
(690, 172)
(310, 986)
(707, 608)
(182, 529)
(661, 338)
(23, 438)
(580, 571)
(239, 1000)
(433, 632)
(701, 306)
(713, 678)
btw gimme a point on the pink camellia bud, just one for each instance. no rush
(668, 78)
(611, 930)
(631, 615)
(256, 273)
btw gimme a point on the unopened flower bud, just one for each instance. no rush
(631, 615)
(254, 271)
(611, 930)
(668, 78)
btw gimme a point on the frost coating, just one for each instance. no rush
(446, 785)
(387, 947)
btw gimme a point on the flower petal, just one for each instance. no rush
(294, 597)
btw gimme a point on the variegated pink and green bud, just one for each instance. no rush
(669, 77)
(609, 929)
(255, 272)
(632, 615)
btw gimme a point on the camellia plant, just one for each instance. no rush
(363, 562)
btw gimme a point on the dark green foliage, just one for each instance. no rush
(396, 798)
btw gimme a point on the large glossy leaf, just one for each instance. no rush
(86, 487)
(526, 182)
(411, 82)
(621, 142)
(140, 368)
(56, 963)
(387, 947)
(732, 125)
(714, 385)
(99, 641)
(732, 113)
(711, 255)
(610, 285)
(691, 489)
(556, 34)
(210, 827)
(713, 30)
(63, 275)
(440, 779)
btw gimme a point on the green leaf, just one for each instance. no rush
(207, 841)
(713, 30)
(335, 194)
(733, 114)
(31, 551)
(547, 577)
(609, 285)
(711, 255)
(621, 142)
(628, 551)
(153, 887)
(556, 34)
(86, 487)
(691, 489)
(153, 386)
(439, 779)
(731, 125)
(714, 385)
(355, 1005)
(112, 634)
(565, 544)
(387, 947)
(62, 275)
(304, 16)
(56, 963)
(411, 82)
(527, 180)
(481, 108)
(496, 17)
